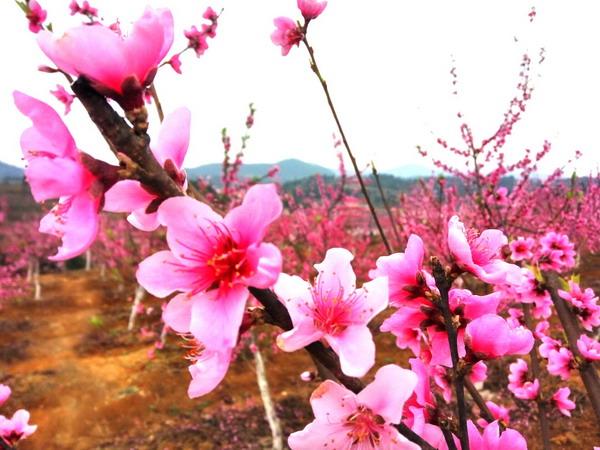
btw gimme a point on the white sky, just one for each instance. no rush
(387, 63)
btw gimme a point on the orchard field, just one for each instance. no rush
(147, 304)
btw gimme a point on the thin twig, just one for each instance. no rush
(385, 204)
(157, 104)
(363, 188)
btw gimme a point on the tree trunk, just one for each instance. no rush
(265, 394)
(37, 287)
(88, 260)
(140, 293)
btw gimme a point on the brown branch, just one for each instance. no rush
(479, 401)
(157, 104)
(385, 204)
(123, 138)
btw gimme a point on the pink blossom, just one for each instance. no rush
(408, 282)
(560, 363)
(4, 393)
(197, 40)
(522, 249)
(405, 324)
(576, 297)
(64, 97)
(500, 413)
(500, 197)
(311, 9)
(491, 439)
(86, 9)
(128, 64)
(17, 427)
(334, 309)
(478, 372)
(175, 63)
(286, 34)
(562, 402)
(556, 252)
(208, 370)
(589, 348)
(55, 170)
(548, 345)
(170, 150)
(364, 420)
(519, 384)
(36, 16)
(211, 262)
(490, 336)
(210, 14)
(480, 254)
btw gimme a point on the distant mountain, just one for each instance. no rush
(411, 171)
(8, 172)
(289, 170)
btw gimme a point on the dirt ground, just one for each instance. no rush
(90, 384)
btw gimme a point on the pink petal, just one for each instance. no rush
(261, 206)
(76, 53)
(300, 336)
(355, 348)
(385, 401)
(457, 242)
(162, 274)
(127, 196)
(374, 298)
(75, 221)
(178, 313)
(335, 272)
(217, 316)
(55, 177)
(49, 133)
(332, 402)
(296, 295)
(187, 221)
(208, 372)
(142, 221)
(266, 261)
(174, 138)
(475, 305)
(319, 435)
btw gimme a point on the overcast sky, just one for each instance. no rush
(387, 63)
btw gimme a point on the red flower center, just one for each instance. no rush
(365, 427)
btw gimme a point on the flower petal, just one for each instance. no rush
(173, 138)
(162, 274)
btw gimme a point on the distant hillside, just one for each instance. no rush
(411, 171)
(289, 170)
(8, 172)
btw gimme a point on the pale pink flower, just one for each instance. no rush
(36, 16)
(64, 97)
(335, 310)
(128, 64)
(408, 282)
(560, 363)
(212, 261)
(311, 9)
(478, 372)
(562, 402)
(287, 34)
(519, 383)
(17, 427)
(4, 393)
(589, 348)
(170, 150)
(522, 249)
(208, 370)
(480, 254)
(491, 439)
(364, 420)
(54, 170)
(490, 336)
(405, 324)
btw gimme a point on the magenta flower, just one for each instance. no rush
(211, 262)
(4, 393)
(490, 336)
(408, 282)
(175, 63)
(562, 402)
(86, 9)
(491, 439)
(364, 420)
(54, 170)
(334, 309)
(589, 348)
(36, 16)
(557, 252)
(480, 254)
(576, 297)
(560, 363)
(197, 40)
(522, 249)
(519, 383)
(311, 9)
(287, 34)
(499, 413)
(128, 64)
(170, 150)
(64, 97)
(17, 427)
